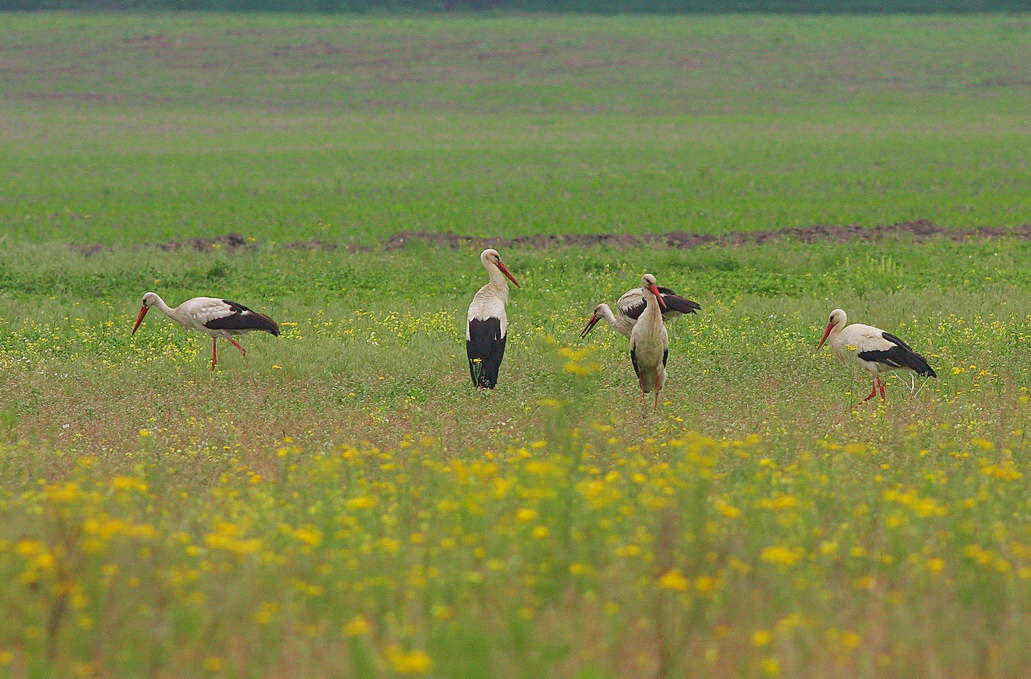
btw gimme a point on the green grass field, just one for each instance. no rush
(153, 127)
(342, 503)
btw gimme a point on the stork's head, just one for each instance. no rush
(648, 284)
(837, 320)
(491, 258)
(599, 312)
(149, 300)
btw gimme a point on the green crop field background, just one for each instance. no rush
(343, 503)
(154, 127)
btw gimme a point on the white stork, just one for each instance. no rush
(873, 349)
(649, 343)
(631, 305)
(212, 316)
(487, 326)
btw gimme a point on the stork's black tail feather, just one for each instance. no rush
(675, 302)
(907, 358)
(244, 319)
(266, 324)
(485, 349)
(921, 366)
(900, 356)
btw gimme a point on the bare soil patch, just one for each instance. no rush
(918, 230)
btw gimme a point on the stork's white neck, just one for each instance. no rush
(171, 312)
(498, 284)
(621, 324)
(652, 315)
(160, 304)
(497, 278)
(838, 327)
(836, 340)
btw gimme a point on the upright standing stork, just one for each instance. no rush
(649, 343)
(487, 326)
(873, 349)
(631, 305)
(212, 316)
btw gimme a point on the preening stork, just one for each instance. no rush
(649, 343)
(212, 316)
(631, 305)
(487, 326)
(873, 349)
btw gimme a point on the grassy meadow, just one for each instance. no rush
(122, 129)
(342, 503)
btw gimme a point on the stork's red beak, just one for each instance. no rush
(590, 325)
(658, 295)
(504, 270)
(139, 319)
(826, 333)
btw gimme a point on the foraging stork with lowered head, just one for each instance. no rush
(631, 305)
(212, 316)
(649, 343)
(487, 324)
(873, 349)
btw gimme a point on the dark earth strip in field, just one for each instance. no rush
(917, 229)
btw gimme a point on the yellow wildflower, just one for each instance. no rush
(414, 662)
(673, 579)
(358, 626)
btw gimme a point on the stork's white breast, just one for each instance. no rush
(649, 341)
(487, 303)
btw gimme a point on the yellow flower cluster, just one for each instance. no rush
(404, 561)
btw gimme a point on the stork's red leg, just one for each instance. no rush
(873, 392)
(881, 383)
(214, 356)
(656, 407)
(237, 345)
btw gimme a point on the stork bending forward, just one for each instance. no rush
(649, 343)
(632, 303)
(486, 329)
(873, 349)
(212, 316)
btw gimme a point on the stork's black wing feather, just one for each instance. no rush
(242, 319)
(675, 304)
(634, 311)
(899, 356)
(485, 349)
(665, 356)
(895, 340)
(237, 308)
(633, 359)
